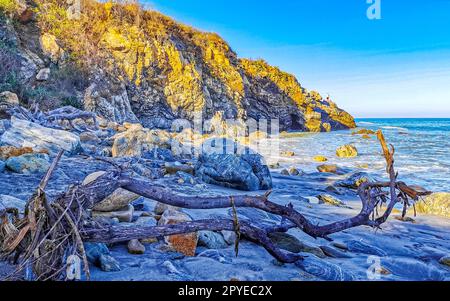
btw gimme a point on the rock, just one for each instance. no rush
(8, 201)
(43, 74)
(330, 168)
(323, 269)
(363, 132)
(287, 154)
(162, 154)
(160, 208)
(7, 152)
(332, 252)
(285, 172)
(330, 200)
(2, 166)
(320, 159)
(290, 243)
(335, 190)
(347, 151)
(29, 163)
(211, 240)
(294, 171)
(119, 199)
(354, 181)
(229, 237)
(109, 264)
(89, 137)
(136, 140)
(245, 172)
(405, 219)
(125, 215)
(7, 101)
(216, 255)
(361, 247)
(185, 178)
(129, 143)
(146, 221)
(445, 261)
(51, 48)
(340, 245)
(9, 98)
(99, 255)
(28, 134)
(437, 204)
(366, 137)
(135, 247)
(183, 243)
(173, 168)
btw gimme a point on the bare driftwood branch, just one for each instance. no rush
(50, 231)
(56, 118)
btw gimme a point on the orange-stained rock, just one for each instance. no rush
(7, 152)
(183, 243)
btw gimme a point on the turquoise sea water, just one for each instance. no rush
(422, 150)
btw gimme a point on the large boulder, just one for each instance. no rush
(436, 204)
(183, 243)
(347, 151)
(23, 133)
(244, 172)
(29, 163)
(136, 140)
(119, 199)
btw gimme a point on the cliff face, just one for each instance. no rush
(141, 65)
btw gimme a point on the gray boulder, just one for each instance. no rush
(211, 240)
(99, 255)
(23, 133)
(245, 172)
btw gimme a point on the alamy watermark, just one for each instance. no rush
(374, 9)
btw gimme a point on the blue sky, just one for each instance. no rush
(398, 66)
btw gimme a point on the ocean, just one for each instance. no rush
(422, 150)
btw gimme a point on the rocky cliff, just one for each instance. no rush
(128, 64)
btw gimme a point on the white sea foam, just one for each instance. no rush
(394, 128)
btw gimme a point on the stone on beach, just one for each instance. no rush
(355, 180)
(287, 154)
(135, 247)
(329, 168)
(436, 204)
(7, 151)
(99, 255)
(124, 215)
(290, 243)
(211, 240)
(183, 243)
(347, 151)
(245, 172)
(119, 199)
(29, 163)
(23, 133)
(320, 159)
(330, 200)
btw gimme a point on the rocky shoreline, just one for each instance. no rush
(420, 243)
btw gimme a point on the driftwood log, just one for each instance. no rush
(42, 240)
(56, 118)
